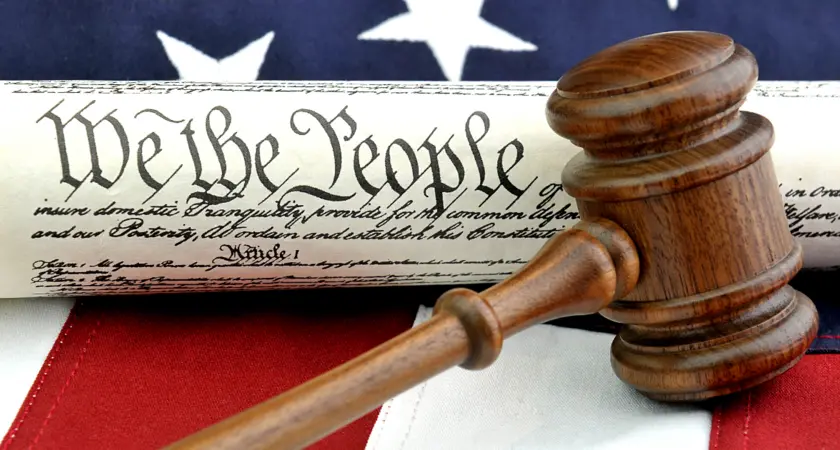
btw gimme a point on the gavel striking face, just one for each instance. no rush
(682, 238)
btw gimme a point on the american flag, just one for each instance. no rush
(387, 39)
(139, 373)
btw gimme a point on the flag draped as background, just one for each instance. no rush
(387, 39)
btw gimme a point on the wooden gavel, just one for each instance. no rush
(682, 238)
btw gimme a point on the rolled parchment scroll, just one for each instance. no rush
(126, 187)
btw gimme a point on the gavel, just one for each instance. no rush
(682, 239)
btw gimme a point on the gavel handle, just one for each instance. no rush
(328, 402)
(577, 272)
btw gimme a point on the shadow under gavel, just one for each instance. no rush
(682, 238)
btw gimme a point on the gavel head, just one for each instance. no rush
(668, 155)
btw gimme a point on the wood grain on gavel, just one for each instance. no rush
(682, 238)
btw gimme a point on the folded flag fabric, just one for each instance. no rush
(139, 372)
(552, 387)
(28, 330)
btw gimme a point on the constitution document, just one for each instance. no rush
(130, 187)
